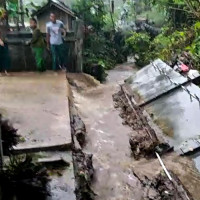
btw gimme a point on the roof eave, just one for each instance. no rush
(63, 9)
(68, 11)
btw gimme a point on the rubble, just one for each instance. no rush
(84, 172)
(143, 139)
(79, 129)
(161, 188)
(83, 166)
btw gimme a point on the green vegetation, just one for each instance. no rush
(101, 48)
(22, 176)
(180, 34)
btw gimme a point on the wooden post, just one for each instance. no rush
(78, 45)
(22, 12)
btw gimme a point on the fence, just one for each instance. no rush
(22, 58)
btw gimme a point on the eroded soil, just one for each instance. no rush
(116, 171)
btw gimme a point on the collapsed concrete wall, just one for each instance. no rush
(172, 100)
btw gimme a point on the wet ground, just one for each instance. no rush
(108, 140)
(36, 104)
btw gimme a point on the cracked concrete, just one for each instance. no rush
(37, 105)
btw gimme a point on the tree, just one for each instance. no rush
(191, 7)
(91, 12)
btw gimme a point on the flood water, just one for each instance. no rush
(108, 139)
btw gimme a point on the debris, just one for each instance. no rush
(161, 188)
(83, 166)
(78, 127)
(164, 148)
(143, 140)
(163, 166)
(190, 146)
(84, 172)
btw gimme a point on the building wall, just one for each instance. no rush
(43, 18)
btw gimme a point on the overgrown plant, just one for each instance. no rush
(164, 46)
(101, 50)
(24, 177)
(139, 45)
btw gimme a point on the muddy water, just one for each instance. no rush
(108, 139)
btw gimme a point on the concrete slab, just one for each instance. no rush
(37, 105)
(178, 115)
(149, 82)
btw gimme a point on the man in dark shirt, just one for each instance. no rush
(38, 45)
(4, 52)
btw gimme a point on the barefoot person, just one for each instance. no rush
(55, 29)
(38, 45)
(4, 52)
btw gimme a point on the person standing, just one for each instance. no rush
(55, 29)
(4, 51)
(38, 45)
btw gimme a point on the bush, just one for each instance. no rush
(164, 46)
(104, 50)
(139, 44)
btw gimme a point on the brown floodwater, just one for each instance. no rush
(108, 141)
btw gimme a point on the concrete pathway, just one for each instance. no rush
(37, 105)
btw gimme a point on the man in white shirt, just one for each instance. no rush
(55, 29)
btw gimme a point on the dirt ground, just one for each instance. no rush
(108, 141)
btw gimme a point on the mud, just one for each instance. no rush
(79, 130)
(161, 188)
(84, 172)
(143, 139)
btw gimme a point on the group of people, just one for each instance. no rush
(54, 43)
